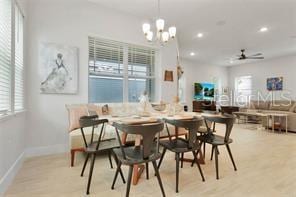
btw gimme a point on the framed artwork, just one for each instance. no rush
(168, 75)
(274, 84)
(204, 91)
(58, 69)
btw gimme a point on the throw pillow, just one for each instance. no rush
(74, 113)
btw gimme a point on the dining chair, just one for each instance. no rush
(147, 152)
(93, 147)
(217, 140)
(180, 145)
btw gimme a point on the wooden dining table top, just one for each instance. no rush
(134, 119)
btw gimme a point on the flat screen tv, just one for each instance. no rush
(204, 91)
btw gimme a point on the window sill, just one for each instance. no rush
(11, 115)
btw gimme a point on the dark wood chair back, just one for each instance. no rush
(227, 120)
(148, 133)
(91, 121)
(192, 125)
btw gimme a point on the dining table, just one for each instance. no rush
(153, 117)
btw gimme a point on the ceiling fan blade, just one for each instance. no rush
(257, 54)
(255, 58)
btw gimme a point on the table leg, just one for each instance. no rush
(280, 121)
(286, 124)
(123, 138)
(272, 123)
(267, 122)
(138, 169)
(176, 132)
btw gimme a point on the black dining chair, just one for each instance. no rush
(217, 140)
(93, 147)
(180, 146)
(143, 154)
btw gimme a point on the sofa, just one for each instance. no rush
(275, 106)
(75, 111)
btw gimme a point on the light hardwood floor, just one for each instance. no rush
(266, 165)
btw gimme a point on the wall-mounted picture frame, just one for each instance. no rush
(274, 84)
(58, 69)
(168, 75)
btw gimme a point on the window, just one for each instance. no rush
(243, 88)
(11, 58)
(119, 72)
(140, 72)
(5, 55)
(19, 61)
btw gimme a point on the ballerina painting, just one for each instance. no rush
(58, 69)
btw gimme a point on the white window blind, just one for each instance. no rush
(105, 71)
(105, 57)
(117, 69)
(243, 88)
(19, 61)
(141, 63)
(5, 55)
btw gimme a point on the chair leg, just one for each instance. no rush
(147, 170)
(193, 161)
(161, 158)
(204, 150)
(158, 177)
(129, 180)
(232, 160)
(198, 151)
(116, 174)
(90, 172)
(177, 172)
(84, 165)
(212, 153)
(182, 158)
(117, 163)
(110, 159)
(196, 154)
(198, 165)
(216, 162)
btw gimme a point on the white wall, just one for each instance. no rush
(70, 22)
(195, 72)
(12, 147)
(280, 67)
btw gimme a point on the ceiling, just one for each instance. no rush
(227, 26)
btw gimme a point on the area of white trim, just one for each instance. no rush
(46, 150)
(11, 173)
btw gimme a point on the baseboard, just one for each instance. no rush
(11, 173)
(46, 150)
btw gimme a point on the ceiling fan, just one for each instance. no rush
(242, 56)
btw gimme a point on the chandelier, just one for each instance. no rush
(162, 36)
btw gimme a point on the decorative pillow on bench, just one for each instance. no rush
(75, 112)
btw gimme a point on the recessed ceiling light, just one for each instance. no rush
(263, 29)
(200, 35)
(192, 54)
(231, 61)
